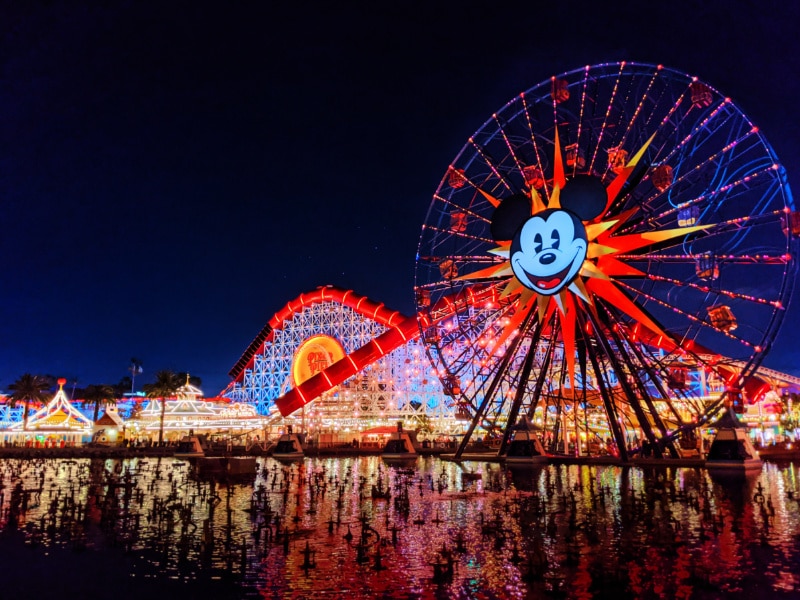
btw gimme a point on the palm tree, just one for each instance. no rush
(165, 386)
(99, 395)
(28, 387)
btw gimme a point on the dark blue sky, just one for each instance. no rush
(172, 173)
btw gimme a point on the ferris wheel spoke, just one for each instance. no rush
(509, 146)
(700, 132)
(743, 185)
(460, 235)
(716, 292)
(538, 161)
(637, 112)
(582, 106)
(685, 314)
(599, 143)
(444, 261)
(755, 174)
(489, 162)
(732, 259)
(745, 224)
(468, 211)
(670, 120)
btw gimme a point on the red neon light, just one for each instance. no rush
(343, 369)
(348, 298)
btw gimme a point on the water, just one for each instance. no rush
(315, 529)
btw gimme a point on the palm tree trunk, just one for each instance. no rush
(161, 424)
(96, 410)
(25, 414)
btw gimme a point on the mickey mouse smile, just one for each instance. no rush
(548, 282)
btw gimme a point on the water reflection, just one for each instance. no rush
(359, 527)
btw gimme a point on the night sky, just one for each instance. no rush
(172, 173)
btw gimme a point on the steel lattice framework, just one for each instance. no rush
(9, 415)
(400, 384)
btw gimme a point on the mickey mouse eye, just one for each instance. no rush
(556, 238)
(537, 243)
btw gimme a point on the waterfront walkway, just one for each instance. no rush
(120, 452)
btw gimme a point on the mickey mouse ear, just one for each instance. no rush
(584, 195)
(509, 216)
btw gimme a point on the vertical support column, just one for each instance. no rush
(501, 369)
(611, 410)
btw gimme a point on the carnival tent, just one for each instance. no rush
(57, 423)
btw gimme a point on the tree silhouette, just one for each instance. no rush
(165, 386)
(28, 387)
(99, 395)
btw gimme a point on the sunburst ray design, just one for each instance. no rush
(595, 278)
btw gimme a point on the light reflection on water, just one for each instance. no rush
(314, 528)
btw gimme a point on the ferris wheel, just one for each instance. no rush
(601, 240)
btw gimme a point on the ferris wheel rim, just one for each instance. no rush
(790, 266)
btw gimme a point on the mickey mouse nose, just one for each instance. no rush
(547, 258)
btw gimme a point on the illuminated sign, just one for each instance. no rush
(238, 410)
(314, 355)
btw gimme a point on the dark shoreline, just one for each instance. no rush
(113, 452)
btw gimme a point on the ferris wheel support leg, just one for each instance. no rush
(541, 380)
(493, 387)
(623, 378)
(522, 384)
(611, 411)
(645, 395)
(661, 390)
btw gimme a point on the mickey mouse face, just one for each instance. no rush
(548, 250)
